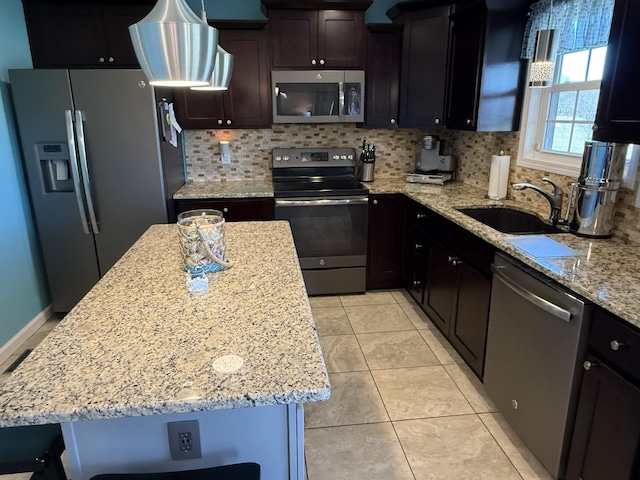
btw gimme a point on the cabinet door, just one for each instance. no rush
(197, 109)
(424, 67)
(383, 77)
(294, 38)
(247, 103)
(384, 248)
(464, 75)
(65, 35)
(341, 39)
(607, 429)
(116, 20)
(618, 118)
(442, 286)
(468, 330)
(233, 209)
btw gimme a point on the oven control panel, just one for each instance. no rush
(313, 157)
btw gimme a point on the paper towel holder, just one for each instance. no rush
(499, 177)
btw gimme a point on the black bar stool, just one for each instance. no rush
(33, 448)
(238, 471)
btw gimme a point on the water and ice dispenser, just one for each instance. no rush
(54, 163)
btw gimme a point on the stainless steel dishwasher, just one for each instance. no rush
(537, 332)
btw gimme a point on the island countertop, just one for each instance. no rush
(140, 344)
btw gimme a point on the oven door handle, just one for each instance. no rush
(322, 202)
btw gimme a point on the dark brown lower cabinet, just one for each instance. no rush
(384, 249)
(233, 209)
(606, 435)
(456, 298)
(447, 270)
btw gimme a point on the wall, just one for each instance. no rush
(251, 149)
(23, 293)
(251, 159)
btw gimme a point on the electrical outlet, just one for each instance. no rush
(184, 440)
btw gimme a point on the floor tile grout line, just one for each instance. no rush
(500, 446)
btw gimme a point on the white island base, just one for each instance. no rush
(272, 436)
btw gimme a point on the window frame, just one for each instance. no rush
(534, 116)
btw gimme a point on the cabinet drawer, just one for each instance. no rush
(616, 343)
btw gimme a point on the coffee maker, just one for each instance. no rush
(431, 166)
(596, 189)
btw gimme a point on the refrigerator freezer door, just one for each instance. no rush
(41, 98)
(123, 157)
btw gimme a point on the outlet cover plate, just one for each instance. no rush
(184, 440)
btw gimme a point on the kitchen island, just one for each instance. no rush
(140, 351)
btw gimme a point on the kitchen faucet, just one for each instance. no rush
(555, 200)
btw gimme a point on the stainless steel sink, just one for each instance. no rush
(509, 220)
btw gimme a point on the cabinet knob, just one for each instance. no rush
(587, 365)
(468, 121)
(416, 283)
(321, 62)
(322, 262)
(594, 127)
(615, 345)
(228, 122)
(420, 216)
(225, 210)
(437, 121)
(375, 202)
(101, 59)
(313, 62)
(514, 404)
(219, 122)
(418, 246)
(392, 121)
(111, 59)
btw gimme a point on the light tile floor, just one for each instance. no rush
(404, 405)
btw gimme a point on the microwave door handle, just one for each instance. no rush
(341, 98)
(75, 174)
(82, 149)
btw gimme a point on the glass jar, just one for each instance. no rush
(202, 240)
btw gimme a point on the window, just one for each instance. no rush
(559, 119)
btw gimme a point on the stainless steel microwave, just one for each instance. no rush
(318, 96)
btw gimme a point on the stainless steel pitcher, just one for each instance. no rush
(596, 189)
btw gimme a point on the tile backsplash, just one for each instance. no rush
(251, 149)
(251, 159)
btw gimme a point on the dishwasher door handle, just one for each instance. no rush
(546, 305)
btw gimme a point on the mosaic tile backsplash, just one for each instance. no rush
(251, 159)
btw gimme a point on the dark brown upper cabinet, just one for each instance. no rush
(83, 35)
(384, 44)
(425, 43)
(247, 102)
(618, 115)
(317, 39)
(486, 78)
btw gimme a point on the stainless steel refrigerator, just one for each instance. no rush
(100, 169)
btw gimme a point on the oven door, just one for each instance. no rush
(328, 232)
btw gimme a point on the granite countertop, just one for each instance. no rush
(139, 344)
(605, 271)
(213, 190)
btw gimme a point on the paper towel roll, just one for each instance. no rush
(499, 176)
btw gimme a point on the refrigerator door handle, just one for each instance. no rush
(82, 149)
(73, 161)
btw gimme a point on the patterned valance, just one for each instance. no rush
(579, 24)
